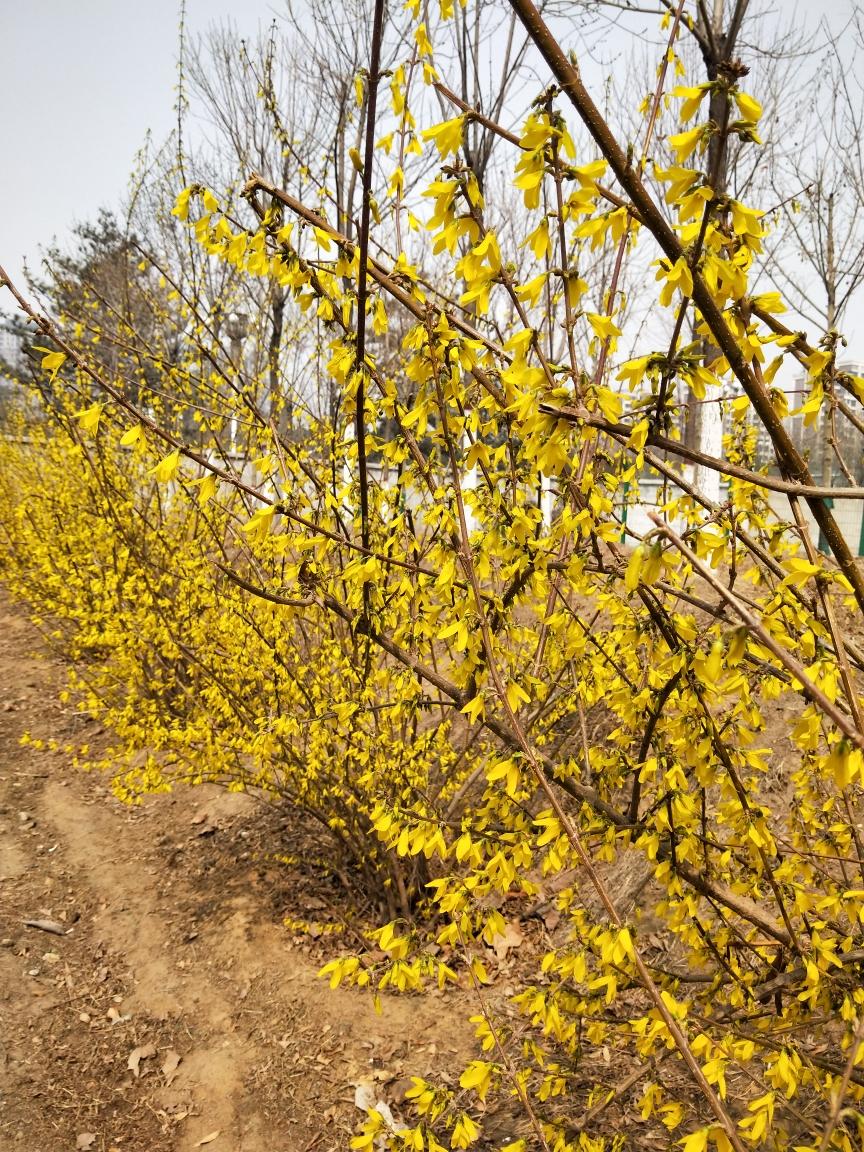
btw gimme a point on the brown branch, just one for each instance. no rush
(676, 448)
(813, 693)
(559, 167)
(790, 460)
(362, 290)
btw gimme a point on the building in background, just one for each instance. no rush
(10, 349)
(811, 440)
(11, 356)
(833, 447)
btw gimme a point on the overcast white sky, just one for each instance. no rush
(82, 81)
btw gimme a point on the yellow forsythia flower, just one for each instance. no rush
(167, 468)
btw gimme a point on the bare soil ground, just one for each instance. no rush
(176, 1010)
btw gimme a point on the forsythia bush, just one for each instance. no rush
(486, 696)
(196, 680)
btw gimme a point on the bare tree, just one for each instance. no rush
(817, 255)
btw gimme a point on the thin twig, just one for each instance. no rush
(796, 669)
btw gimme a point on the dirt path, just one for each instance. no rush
(175, 1005)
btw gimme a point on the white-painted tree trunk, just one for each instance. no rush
(706, 481)
(547, 501)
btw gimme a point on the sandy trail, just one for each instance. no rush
(175, 945)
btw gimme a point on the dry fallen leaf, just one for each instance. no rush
(366, 1097)
(552, 919)
(137, 1055)
(209, 1139)
(511, 937)
(85, 1140)
(170, 1065)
